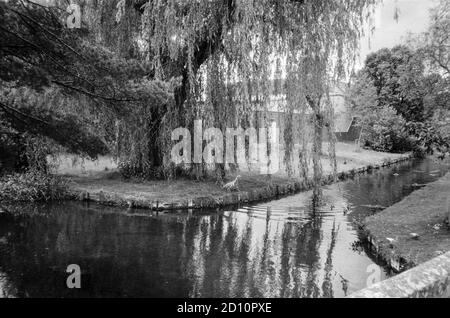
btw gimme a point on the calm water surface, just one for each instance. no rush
(301, 250)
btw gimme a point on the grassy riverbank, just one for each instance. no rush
(108, 187)
(424, 213)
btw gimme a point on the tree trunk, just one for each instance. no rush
(318, 122)
(317, 151)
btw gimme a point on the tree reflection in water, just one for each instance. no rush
(292, 247)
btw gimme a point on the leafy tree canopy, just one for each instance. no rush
(434, 44)
(395, 102)
(188, 51)
(397, 76)
(57, 83)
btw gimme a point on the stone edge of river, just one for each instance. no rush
(228, 200)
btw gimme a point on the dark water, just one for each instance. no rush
(302, 250)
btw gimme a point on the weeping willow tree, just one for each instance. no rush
(225, 54)
(218, 58)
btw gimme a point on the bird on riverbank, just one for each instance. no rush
(391, 241)
(233, 185)
(414, 236)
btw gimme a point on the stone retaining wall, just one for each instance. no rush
(429, 280)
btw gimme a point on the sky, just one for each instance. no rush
(414, 17)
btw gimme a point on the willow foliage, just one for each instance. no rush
(228, 52)
(219, 58)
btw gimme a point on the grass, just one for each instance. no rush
(424, 212)
(103, 176)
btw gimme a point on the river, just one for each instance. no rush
(288, 247)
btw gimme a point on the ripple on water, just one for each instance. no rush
(288, 247)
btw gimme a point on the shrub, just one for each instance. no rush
(20, 152)
(427, 138)
(386, 131)
(33, 186)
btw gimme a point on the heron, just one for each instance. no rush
(233, 185)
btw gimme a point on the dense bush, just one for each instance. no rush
(386, 131)
(427, 138)
(33, 187)
(20, 152)
(442, 120)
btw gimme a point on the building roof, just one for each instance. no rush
(343, 122)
